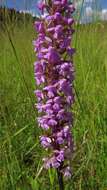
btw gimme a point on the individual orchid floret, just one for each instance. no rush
(45, 141)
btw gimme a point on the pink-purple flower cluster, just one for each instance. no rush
(54, 74)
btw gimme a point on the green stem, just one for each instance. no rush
(60, 179)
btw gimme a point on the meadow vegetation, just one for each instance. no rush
(20, 152)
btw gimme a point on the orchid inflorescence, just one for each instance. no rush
(54, 74)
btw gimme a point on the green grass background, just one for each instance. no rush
(20, 152)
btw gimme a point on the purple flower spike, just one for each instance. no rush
(54, 75)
